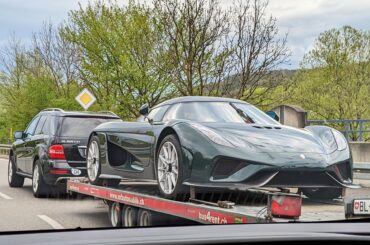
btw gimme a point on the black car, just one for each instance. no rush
(219, 143)
(53, 148)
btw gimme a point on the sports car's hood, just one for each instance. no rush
(269, 138)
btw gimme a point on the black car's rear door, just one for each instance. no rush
(33, 140)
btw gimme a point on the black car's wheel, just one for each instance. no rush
(93, 161)
(169, 167)
(322, 193)
(39, 187)
(14, 179)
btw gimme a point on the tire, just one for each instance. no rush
(93, 161)
(170, 182)
(14, 179)
(147, 218)
(115, 214)
(129, 216)
(39, 187)
(322, 193)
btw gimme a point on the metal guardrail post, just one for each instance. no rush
(4, 150)
(361, 131)
(347, 129)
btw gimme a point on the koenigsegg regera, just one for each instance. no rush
(219, 143)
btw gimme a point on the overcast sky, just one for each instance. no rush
(302, 19)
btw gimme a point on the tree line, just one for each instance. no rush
(146, 53)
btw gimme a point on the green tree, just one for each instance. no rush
(121, 61)
(334, 82)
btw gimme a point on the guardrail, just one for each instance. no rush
(353, 129)
(361, 170)
(4, 150)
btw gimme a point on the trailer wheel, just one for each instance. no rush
(115, 214)
(149, 218)
(129, 216)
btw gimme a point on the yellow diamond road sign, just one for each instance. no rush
(85, 98)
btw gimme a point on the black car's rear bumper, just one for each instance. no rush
(57, 171)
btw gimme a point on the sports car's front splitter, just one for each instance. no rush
(282, 179)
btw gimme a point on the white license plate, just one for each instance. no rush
(361, 206)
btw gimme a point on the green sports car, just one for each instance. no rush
(218, 143)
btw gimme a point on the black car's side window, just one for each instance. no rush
(46, 127)
(32, 126)
(40, 125)
(157, 113)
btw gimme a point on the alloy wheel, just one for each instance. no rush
(35, 179)
(10, 171)
(93, 161)
(168, 167)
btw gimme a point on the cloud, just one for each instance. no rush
(304, 20)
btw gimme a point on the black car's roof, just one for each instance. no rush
(199, 99)
(60, 112)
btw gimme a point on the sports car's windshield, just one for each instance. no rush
(218, 112)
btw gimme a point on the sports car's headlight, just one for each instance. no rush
(333, 140)
(212, 135)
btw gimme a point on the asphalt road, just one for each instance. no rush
(19, 210)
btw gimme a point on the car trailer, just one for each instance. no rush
(142, 206)
(139, 204)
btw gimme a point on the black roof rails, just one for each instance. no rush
(108, 112)
(53, 109)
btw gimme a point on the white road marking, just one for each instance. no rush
(50, 221)
(5, 196)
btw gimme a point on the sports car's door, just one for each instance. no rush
(137, 139)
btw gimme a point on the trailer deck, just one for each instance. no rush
(252, 206)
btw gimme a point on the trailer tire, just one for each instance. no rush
(115, 214)
(147, 218)
(129, 216)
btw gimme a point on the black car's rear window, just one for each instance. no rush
(81, 126)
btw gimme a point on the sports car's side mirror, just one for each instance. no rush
(18, 135)
(144, 109)
(273, 115)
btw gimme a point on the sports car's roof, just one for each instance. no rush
(199, 99)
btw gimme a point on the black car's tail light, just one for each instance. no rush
(56, 152)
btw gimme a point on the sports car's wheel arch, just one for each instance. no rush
(168, 131)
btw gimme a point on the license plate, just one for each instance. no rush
(361, 206)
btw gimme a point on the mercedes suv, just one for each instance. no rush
(53, 149)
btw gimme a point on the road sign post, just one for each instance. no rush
(85, 98)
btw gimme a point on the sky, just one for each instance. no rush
(303, 20)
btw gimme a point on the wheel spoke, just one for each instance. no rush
(174, 170)
(169, 182)
(163, 160)
(173, 179)
(162, 178)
